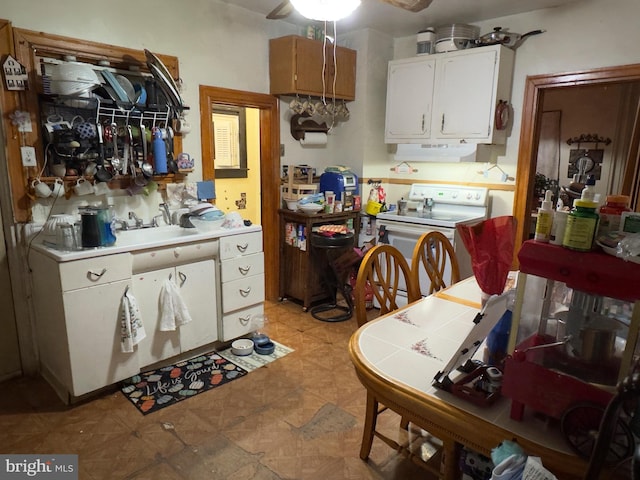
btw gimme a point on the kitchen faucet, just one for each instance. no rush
(139, 222)
(166, 214)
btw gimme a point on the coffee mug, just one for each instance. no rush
(101, 188)
(40, 188)
(58, 169)
(83, 187)
(58, 188)
(90, 169)
(182, 126)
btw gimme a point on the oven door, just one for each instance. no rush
(404, 237)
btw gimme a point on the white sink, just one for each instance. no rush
(155, 235)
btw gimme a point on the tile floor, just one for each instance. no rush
(299, 417)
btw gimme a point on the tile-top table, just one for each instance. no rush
(396, 358)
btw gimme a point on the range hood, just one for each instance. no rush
(416, 152)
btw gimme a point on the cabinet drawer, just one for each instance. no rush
(168, 257)
(242, 244)
(95, 271)
(242, 293)
(242, 267)
(240, 322)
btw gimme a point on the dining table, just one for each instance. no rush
(397, 357)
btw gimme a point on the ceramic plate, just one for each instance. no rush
(115, 85)
(172, 94)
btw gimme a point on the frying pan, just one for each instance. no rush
(502, 37)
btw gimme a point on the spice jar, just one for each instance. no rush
(611, 212)
(582, 224)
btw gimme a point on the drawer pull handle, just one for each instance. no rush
(96, 276)
(244, 270)
(245, 293)
(245, 320)
(243, 248)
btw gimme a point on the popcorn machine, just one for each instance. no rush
(574, 337)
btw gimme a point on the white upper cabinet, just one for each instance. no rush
(409, 99)
(449, 97)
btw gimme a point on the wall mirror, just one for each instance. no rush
(229, 141)
(621, 157)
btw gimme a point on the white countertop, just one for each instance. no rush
(142, 239)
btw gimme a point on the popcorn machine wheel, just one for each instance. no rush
(573, 338)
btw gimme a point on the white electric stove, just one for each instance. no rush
(450, 206)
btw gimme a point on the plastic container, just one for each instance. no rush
(611, 213)
(582, 225)
(558, 227)
(545, 219)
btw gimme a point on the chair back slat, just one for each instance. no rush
(431, 255)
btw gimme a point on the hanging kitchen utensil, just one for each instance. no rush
(116, 162)
(102, 174)
(502, 37)
(146, 167)
(171, 162)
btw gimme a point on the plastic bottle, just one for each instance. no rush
(588, 192)
(159, 152)
(611, 212)
(559, 226)
(545, 219)
(582, 224)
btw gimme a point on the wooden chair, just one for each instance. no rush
(387, 271)
(385, 268)
(431, 254)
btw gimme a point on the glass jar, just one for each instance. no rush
(582, 224)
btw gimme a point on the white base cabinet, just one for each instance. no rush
(242, 280)
(448, 97)
(77, 307)
(196, 282)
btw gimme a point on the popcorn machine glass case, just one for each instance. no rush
(574, 337)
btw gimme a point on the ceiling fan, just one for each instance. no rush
(285, 8)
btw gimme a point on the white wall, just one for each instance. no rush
(222, 45)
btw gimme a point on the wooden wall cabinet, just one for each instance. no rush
(296, 68)
(299, 277)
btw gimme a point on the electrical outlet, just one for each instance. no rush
(28, 156)
(25, 125)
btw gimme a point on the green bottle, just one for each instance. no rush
(582, 225)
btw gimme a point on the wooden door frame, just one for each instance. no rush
(535, 87)
(269, 165)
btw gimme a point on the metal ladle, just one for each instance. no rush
(116, 162)
(146, 167)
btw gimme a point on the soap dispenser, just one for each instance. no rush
(545, 219)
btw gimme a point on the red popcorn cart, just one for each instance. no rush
(574, 337)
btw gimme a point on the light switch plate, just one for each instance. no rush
(28, 156)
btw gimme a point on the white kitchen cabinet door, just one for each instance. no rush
(465, 100)
(93, 336)
(410, 84)
(157, 345)
(197, 282)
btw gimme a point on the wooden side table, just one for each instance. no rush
(299, 279)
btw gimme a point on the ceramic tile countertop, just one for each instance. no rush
(142, 239)
(410, 346)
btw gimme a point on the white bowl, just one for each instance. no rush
(205, 225)
(292, 205)
(310, 207)
(242, 347)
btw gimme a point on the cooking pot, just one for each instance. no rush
(502, 37)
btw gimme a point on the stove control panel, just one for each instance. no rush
(451, 194)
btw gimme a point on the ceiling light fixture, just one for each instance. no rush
(325, 10)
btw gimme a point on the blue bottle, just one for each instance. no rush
(159, 152)
(498, 337)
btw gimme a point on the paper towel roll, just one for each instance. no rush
(314, 138)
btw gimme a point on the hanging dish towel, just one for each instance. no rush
(131, 326)
(173, 310)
